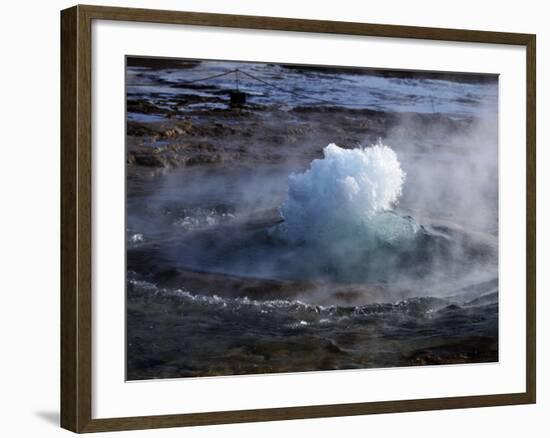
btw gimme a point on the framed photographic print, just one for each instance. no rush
(268, 218)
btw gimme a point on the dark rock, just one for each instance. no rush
(204, 159)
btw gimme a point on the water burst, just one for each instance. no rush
(347, 196)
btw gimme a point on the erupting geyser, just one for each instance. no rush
(347, 197)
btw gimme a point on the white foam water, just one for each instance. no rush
(202, 218)
(347, 196)
(420, 305)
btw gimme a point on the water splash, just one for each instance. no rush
(347, 196)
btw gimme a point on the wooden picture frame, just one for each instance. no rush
(76, 218)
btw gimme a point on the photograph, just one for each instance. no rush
(285, 218)
(252, 220)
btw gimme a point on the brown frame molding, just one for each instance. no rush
(76, 172)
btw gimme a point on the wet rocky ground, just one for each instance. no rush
(172, 333)
(258, 134)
